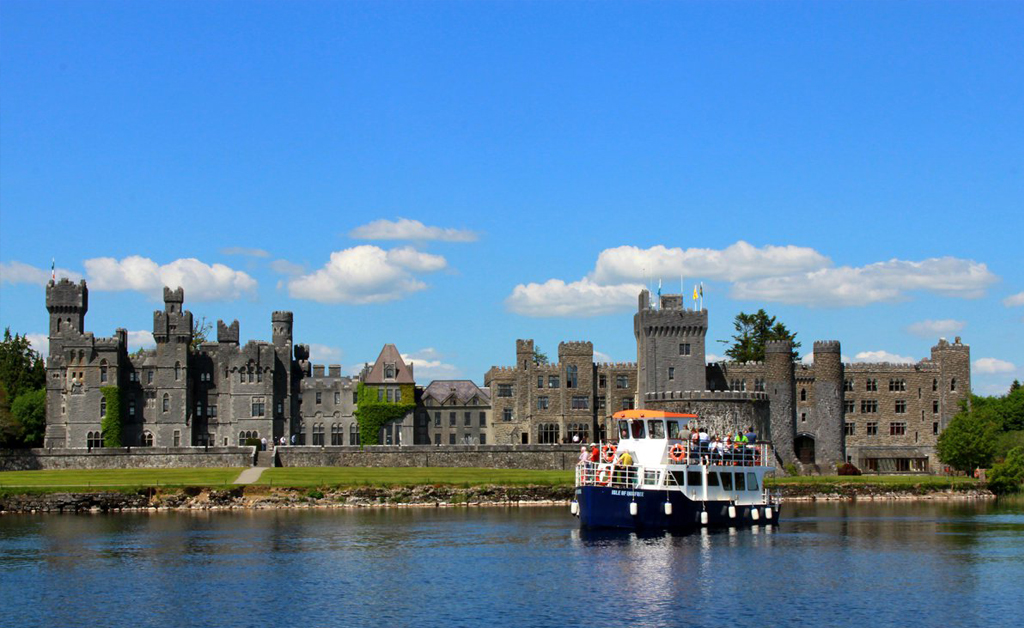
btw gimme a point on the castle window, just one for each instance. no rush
(337, 398)
(898, 428)
(258, 407)
(149, 376)
(467, 419)
(483, 439)
(851, 428)
(684, 348)
(199, 408)
(542, 403)
(602, 403)
(319, 397)
(935, 406)
(935, 427)
(177, 438)
(437, 419)
(146, 440)
(103, 406)
(451, 419)
(671, 372)
(547, 433)
(803, 394)
(380, 394)
(871, 385)
(897, 385)
(868, 406)
(578, 432)
(759, 384)
(540, 381)
(353, 434)
(602, 381)
(848, 406)
(212, 411)
(389, 371)
(93, 439)
(504, 390)
(554, 381)
(871, 428)
(251, 374)
(280, 408)
(952, 385)
(167, 403)
(259, 375)
(580, 402)
(177, 371)
(848, 385)
(318, 434)
(621, 381)
(390, 394)
(103, 371)
(131, 407)
(336, 434)
(451, 439)
(241, 376)
(803, 417)
(398, 395)
(506, 414)
(570, 376)
(935, 385)
(901, 406)
(483, 422)
(627, 403)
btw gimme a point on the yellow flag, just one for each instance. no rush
(694, 292)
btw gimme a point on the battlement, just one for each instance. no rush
(671, 301)
(891, 367)
(227, 334)
(705, 395)
(617, 365)
(282, 317)
(575, 348)
(502, 370)
(65, 295)
(740, 366)
(778, 346)
(945, 345)
(174, 296)
(826, 346)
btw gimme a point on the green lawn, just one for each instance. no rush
(78, 479)
(894, 481)
(410, 476)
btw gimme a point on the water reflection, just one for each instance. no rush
(834, 563)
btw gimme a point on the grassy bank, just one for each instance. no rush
(937, 482)
(411, 476)
(87, 480)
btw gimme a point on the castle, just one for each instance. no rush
(880, 417)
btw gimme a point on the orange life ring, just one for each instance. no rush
(608, 453)
(603, 476)
(676, 452)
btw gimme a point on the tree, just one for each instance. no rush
(1007, 476)
(21, 371)
(539, 357)
(968, 442)
(28, 412)
(1015, 386)
(754, 331)
(201, 329)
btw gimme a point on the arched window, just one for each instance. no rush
(146, 440)
(259, 375)
(251, 374)
(167, 403)
(580, 430)
(353, 434)
(103, 406)
(337, 436)
(177, 371)
(547, 433)
(241, 438)
(241, 376)
(94, 439)
(571, 376)
(389, 372)
(318, 434)
(103, 371)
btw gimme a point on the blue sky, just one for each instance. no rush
(453, 176)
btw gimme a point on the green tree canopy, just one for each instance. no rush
(539, 357)
(1008, 476)
(968, 442)
(201, 329)
(753, 332)
(21, 371)
(28, 413)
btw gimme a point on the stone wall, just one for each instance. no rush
(125, 458)
(546, 457)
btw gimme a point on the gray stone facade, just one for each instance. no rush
(455, 412)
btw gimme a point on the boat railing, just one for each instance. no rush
(707, 453)
(609, 474)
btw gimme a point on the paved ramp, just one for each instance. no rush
(250, 475)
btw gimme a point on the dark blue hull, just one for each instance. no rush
(606, 507)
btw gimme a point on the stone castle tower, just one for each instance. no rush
(669, 345)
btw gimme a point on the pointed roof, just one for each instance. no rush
(462, 389)
(389, 357)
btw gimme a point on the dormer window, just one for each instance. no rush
(389, 371)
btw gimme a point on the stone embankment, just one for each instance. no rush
(259, 498)
(879, 492)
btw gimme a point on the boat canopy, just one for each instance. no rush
(651, 414)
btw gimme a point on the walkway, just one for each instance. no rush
(250, 475)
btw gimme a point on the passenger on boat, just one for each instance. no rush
(595, 453)
(751, 435)
(705, 440)
(622, 474)
(584, 455)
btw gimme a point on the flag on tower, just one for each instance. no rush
(53, 268)
(695, 293)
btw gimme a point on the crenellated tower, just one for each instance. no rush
(286, 384)
(670, 346)
(67, 302)
(830, 445)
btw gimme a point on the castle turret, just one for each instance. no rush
(227, 334)
(524, 353)
(67, 302)
(670, 346)
(954, 379)
(780, 385)
(286, 384)
(282, 324)
(830, 445)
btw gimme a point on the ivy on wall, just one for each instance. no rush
(113, 422)
(373, 414)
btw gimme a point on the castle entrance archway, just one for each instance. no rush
(804, 446)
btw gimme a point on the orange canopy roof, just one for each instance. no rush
(651, 414)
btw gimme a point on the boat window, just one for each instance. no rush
(638, 428)
(727, 481)
(741, 484)
(712, 478)
(623, 429)
(673, 429)
(657, 428)
(651, 477)
(676, 477)
(751, 482)
(693, 478)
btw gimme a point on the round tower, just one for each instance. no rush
(67, 302)
(830, 447)
(780, 385)
(282, 325)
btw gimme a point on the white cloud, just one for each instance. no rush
(140, 339)
(241, 250)
(993, 365)
(602, 357)
(577, 299)
(366, 274)
(427, 364)
(284, 267)
(879, 282)
(40, 343)
(202, 282)
(406, 229)
(19, 272)
(929, 328)
(737, 261)
(711, 358)
(883, 356)
(1014, 300)
(324, 353)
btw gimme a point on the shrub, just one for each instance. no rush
(253, 442)
(315, 494)
(113, 422)
(847, 469)
(1007, 476)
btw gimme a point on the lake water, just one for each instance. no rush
(867, 565)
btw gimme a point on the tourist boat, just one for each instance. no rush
(672, 484)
